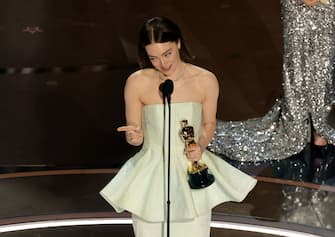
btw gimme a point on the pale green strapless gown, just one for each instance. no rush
(140, 185)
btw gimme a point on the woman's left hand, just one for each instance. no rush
(193, 152)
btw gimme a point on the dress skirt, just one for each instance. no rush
(198, 227)
(140, 186)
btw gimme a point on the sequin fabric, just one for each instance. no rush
(308, 81)
(308, 207)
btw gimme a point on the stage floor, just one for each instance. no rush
(67, 203)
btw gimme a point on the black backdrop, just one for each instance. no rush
(64, 63)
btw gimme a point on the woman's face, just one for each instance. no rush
(164, 57)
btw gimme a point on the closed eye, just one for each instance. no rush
(167, 54)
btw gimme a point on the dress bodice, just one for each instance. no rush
(153, 123)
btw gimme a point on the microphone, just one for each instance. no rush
(166, 88)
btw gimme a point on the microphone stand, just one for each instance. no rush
(169, 168)
(168, 98)
(167, 88)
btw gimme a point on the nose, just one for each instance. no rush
(163, 62)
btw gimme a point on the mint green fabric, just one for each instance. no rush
(198, 227)
(140, 185)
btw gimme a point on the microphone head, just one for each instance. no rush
(166, 87)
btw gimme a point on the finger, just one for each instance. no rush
(137, 129)
(192, 148)
(122, 129)
(125, 128)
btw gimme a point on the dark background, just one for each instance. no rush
(64, 63)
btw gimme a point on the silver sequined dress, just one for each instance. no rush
(308, 81)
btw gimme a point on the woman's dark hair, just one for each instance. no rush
(160, 30)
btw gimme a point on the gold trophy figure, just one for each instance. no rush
(197, 170)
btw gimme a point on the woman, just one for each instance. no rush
(140, 185)
(302, 114)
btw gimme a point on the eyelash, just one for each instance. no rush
(165, 55)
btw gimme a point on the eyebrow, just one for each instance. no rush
(166, 51)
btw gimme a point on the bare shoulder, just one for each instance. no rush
(140, 78)
(203, 76)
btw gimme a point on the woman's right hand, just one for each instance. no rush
(134, 134)
(311, 2)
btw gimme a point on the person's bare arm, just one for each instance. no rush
(133, 104)
(209, 106)
(209, 110)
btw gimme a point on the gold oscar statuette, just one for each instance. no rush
(197, 171)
